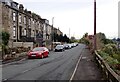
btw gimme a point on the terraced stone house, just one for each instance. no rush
(25, 27)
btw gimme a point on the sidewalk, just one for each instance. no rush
(87, 68)
(18, 57)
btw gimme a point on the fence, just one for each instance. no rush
(108, 73)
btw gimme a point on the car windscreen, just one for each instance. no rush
(59, 46)
(38, 49)
(65, 44)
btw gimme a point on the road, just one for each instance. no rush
(58, 66)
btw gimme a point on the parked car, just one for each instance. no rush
(66, 46)
(70, 46)
(38, 52)
(59, 48)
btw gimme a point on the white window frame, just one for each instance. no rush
(24, 20)
(14, 31)
(20, 18)
(25, 32)
(14, 16)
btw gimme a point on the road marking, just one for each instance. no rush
(25, 71)
(76, 68)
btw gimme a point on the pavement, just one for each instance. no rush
(72, 64)
(20, 56)
(87, 68)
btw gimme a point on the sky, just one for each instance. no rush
(76, 17)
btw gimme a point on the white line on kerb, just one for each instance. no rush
(75, 68)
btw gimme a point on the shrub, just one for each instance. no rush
(102, 53)
(108, 49)
(111, 61)
(117, 56)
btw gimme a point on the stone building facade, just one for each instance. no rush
(24, 26)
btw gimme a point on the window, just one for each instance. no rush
(20, 18)
(29, 23)
(36, 31)
(14, 24)
(24, 20)
(14, 16)
(29, 32)
(25, 32)
(44, 28)
(14, 31)
(33, 21)
(22, 32)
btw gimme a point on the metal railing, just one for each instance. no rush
(107, 72)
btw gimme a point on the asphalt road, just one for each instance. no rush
(58, 66)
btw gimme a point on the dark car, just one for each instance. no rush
(59, 48)
(38, 52)
(66, 46)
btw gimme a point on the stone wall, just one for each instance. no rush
(22, 44)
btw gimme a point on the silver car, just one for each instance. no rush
(59, 48)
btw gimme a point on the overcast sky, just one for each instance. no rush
(78, 15)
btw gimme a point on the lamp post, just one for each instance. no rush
(95, 47)
(52, 34)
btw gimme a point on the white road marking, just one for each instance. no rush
(25, 71)
(75, 68)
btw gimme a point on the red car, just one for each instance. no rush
(38, 52)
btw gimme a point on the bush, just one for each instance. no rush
(117, 56)
(103, 53)
(111, 61)
(110, 49)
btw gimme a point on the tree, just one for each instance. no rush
(5, 40)
(86, 35)
(103, 38)
(65, 38)
(60, 38)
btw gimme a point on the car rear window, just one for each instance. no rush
(38, 49)
(59, 46)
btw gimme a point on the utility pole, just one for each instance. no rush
(52, 34)
(69, 32)
(95, 47)
(53, 28)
